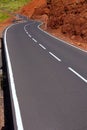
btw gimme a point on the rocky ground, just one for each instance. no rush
(29, 9)
(66, 20)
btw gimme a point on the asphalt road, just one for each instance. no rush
(48, 80)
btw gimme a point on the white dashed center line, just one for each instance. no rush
(58, 59)
(34, 40)
(26, 32)
(54, 56)
(77, 74)
(29, 35)
(42, 46)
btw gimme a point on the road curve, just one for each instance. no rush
(48, 80)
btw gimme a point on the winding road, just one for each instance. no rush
(48, 79)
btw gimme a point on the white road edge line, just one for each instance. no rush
(42, 46)
(12, 83)
(77, 74)
(54, 56)
(34, 40)
(59, 38)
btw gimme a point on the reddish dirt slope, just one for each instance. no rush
(4, 25)
(30, 7)
(71, 19)
(66, 19)
(26, 10)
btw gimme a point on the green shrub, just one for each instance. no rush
(10, 6)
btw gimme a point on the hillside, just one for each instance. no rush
(66, 19)
(8, 8)
(71, 19)
(29, 9)
(63, 18)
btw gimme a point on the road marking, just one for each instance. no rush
(59, 39)
(29, 35)
(42, 46)
(77, 74)
(26, 31)
(55, 56)
(34, 40)
(12, 84)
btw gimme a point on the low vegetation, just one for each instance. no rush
(3, 16)
(10, 6)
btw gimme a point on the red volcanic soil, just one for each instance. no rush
(30, 7)
(4, 25)
(27, 10)
(66, 20)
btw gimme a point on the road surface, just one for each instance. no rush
(48, 80)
